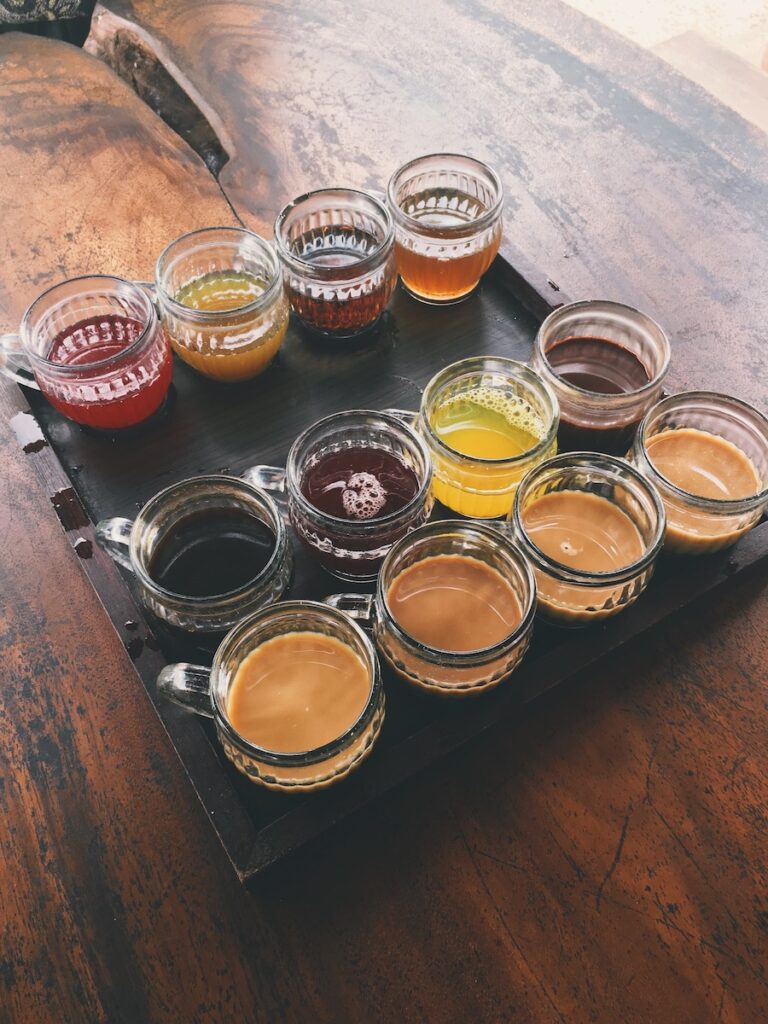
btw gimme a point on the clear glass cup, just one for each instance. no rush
(697, 525)
(447, 213)
(351, 550)
(574, 597)
(132, 544)
(206, 691)
(117, 367)
(336, 248)
(594, 420)
(484, 488)
(448, 673)
(222, 302)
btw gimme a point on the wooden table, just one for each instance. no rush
(604, 859)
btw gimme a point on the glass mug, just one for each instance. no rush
(336, 248)
(209, 692)
(352, 548)
(96, 350)
(574, 595)
(606, 363)
(222, 303)
(134, 544)
(434, 669)
(447, 214)
(486, 421)
(735, 436)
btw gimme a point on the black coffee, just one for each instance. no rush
(212, 552)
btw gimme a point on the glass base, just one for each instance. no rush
(428, 301)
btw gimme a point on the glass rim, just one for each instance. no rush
(586, 577)
(293, 609)
(718, 506)
(484, 221)
(498, 538)
(293, 480)
(216, 315)
(573, 389)
(530, 377)
(150, 323)
(273, 563)
(360, 267)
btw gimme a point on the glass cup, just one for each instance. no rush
(606, 345)
(448, 673)
(222, 302)
(447, 214)
(132, 544)
(697, 525)
(112, 366)
(354, 549)
(206, 691)
(336, 248)
(476, 486)
(575, 597)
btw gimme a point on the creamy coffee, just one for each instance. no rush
(454, 603)
(297, 692)
(706, 466)
(586, 533)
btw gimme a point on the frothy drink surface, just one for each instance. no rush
(359, 483)
(703, 464)
(454, 603)
(583, 531)
(297, 692)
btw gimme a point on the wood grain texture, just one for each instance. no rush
(604, 859)
(91, 181)
(623, 180)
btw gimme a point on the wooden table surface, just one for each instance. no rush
(603, 859)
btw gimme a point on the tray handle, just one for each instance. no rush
(357, 606)
(13, 360)
(114, 535)
(187, 685)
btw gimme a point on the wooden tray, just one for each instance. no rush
(209, 427)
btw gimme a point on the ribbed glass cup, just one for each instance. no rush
(451, 673)
(110, 393)
(697, 525)
(206, 691)
(590, 420)
(335, 246)
(447, 213)
(132, 543)
(577, 597)
(485, 488)
(230, 344)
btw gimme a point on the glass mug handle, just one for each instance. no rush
(13, 359)
(114, 535)
(406, 416)
(189, 686)
(270, 479)
(357, 606)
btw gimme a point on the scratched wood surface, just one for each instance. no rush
(603, 859)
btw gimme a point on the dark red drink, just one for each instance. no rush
(364, 487)
(359, 484)
(602, 367)
(121, 391)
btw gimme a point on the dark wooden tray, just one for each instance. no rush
(210, 427)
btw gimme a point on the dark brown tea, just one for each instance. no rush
(334, 307)
(605, 368)
(212, 552)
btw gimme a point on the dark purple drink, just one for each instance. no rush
(365, 487)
